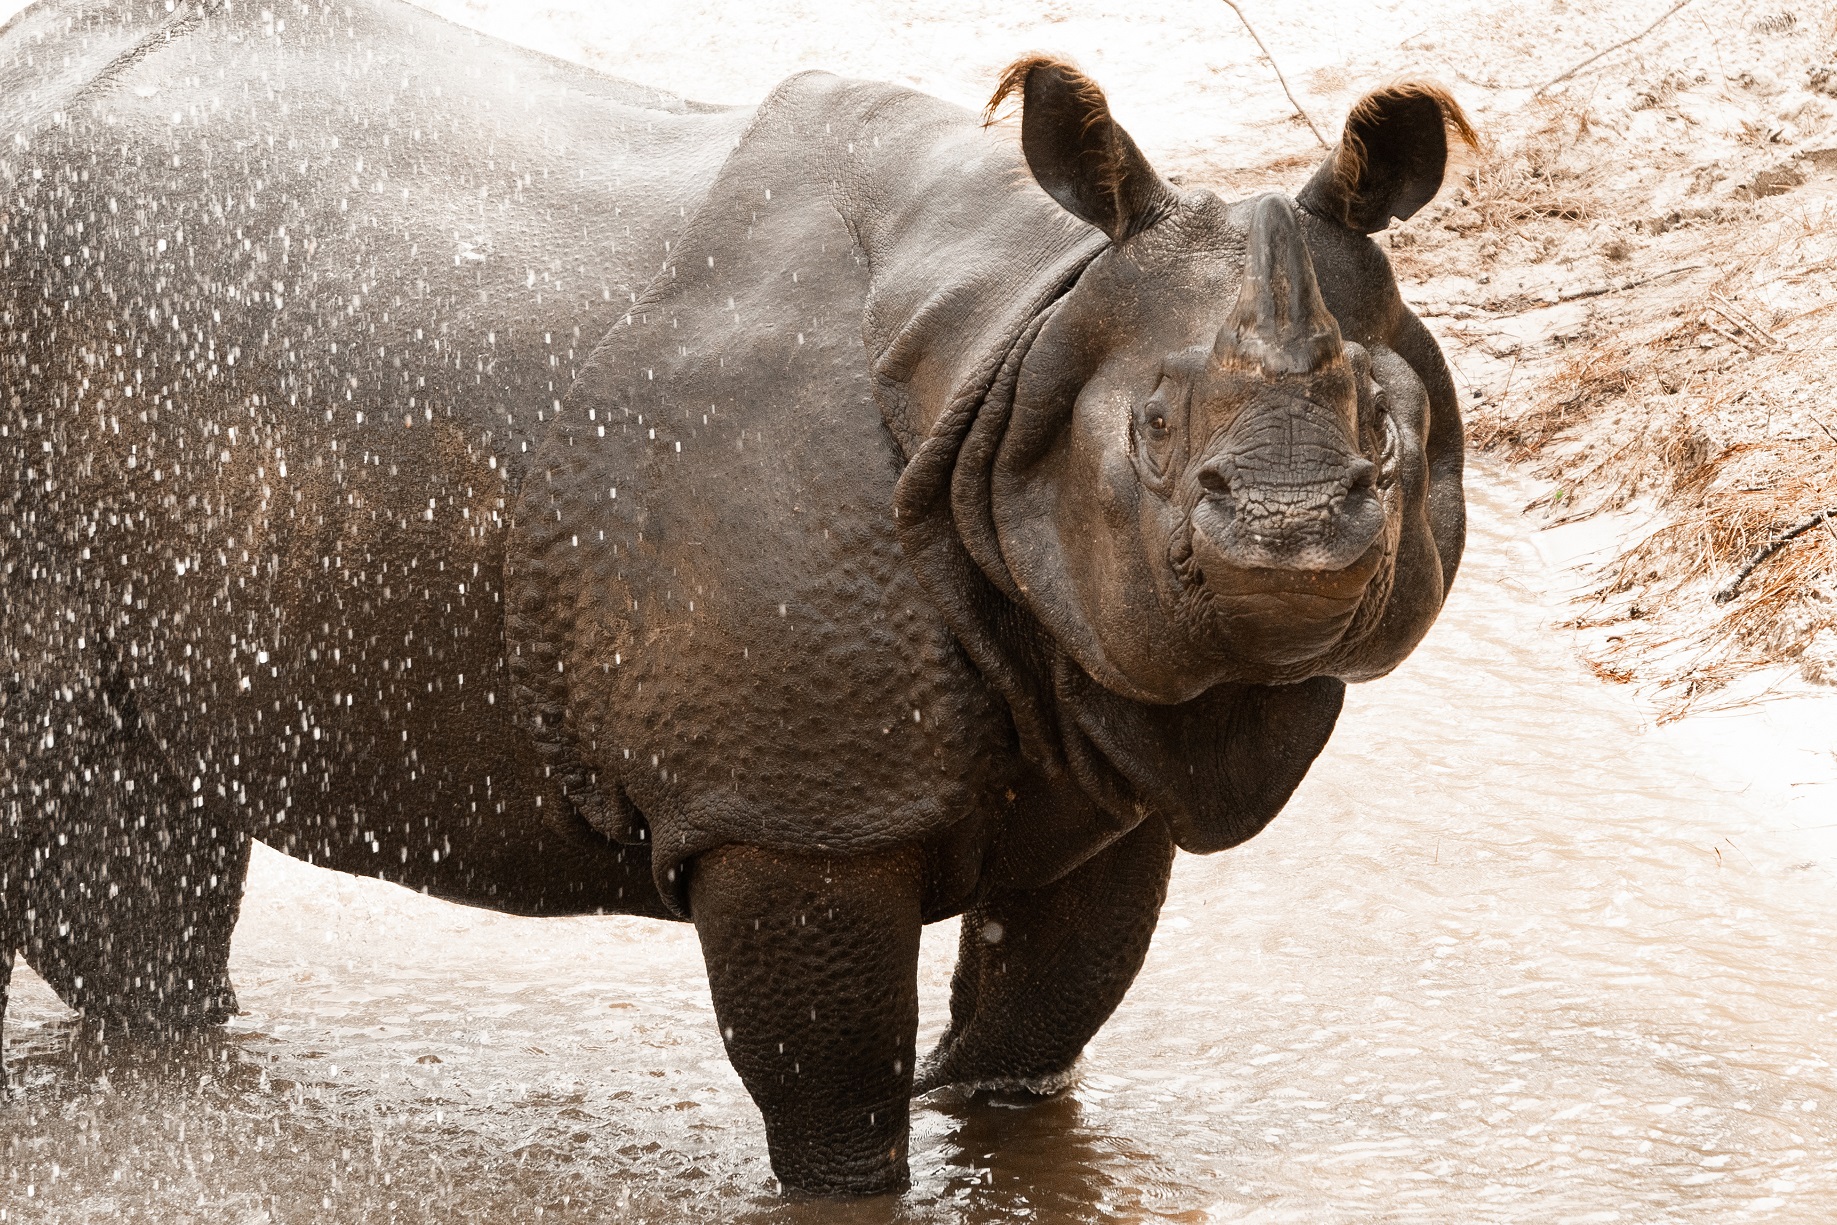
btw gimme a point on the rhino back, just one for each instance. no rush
(288, 306)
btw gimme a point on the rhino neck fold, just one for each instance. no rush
(964, 249)
(943, 344)
(947, 532)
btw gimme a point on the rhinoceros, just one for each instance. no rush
(809, 520)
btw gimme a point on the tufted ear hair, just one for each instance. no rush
(1390, 161)
(1077, 151)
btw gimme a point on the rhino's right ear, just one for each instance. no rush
(1391, 159)
(1077, 151)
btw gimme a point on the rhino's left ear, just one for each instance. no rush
(1077, 151)
(1390, 161)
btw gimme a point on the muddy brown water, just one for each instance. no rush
(1504, 958)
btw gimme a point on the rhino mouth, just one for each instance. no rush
(1345, 587)
(1312, 612)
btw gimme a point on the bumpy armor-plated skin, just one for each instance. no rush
(449, 465)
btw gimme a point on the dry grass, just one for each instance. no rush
(1539, 176)
(1693, 399)
(1786, 609)
(1650, 420)
(1586, 381)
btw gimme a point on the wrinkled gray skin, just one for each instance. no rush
(449, 465)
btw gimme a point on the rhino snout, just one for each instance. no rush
(1320, 523)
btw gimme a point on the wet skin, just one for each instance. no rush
(365, 503)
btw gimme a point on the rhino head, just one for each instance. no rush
(1211, 476)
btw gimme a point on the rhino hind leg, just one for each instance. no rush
(813, 964)
(129, 889)
(1039, 971)
(8, 943)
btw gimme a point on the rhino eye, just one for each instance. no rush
(1154, 432)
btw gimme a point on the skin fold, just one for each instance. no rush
(808, 521)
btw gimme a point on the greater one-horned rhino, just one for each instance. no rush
(809, 521)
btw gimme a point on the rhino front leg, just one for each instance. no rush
(813, 962)
(1039, 971)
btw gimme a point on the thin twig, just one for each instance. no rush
(1232, 5)
(1501, 308)
(1610, 287)
(1742, 330)
(1599, 54)
(1768, 550)
(1728, 310)
(1733, 335)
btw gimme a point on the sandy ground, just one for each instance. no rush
(1634, 284)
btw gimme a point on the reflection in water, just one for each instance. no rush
(1007, 1157)
(1502, 957)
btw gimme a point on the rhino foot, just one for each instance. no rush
(146, 979)
(937, 1072)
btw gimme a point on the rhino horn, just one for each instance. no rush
(1279, 326)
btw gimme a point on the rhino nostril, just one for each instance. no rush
(1360, 474)
(1215, 478)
